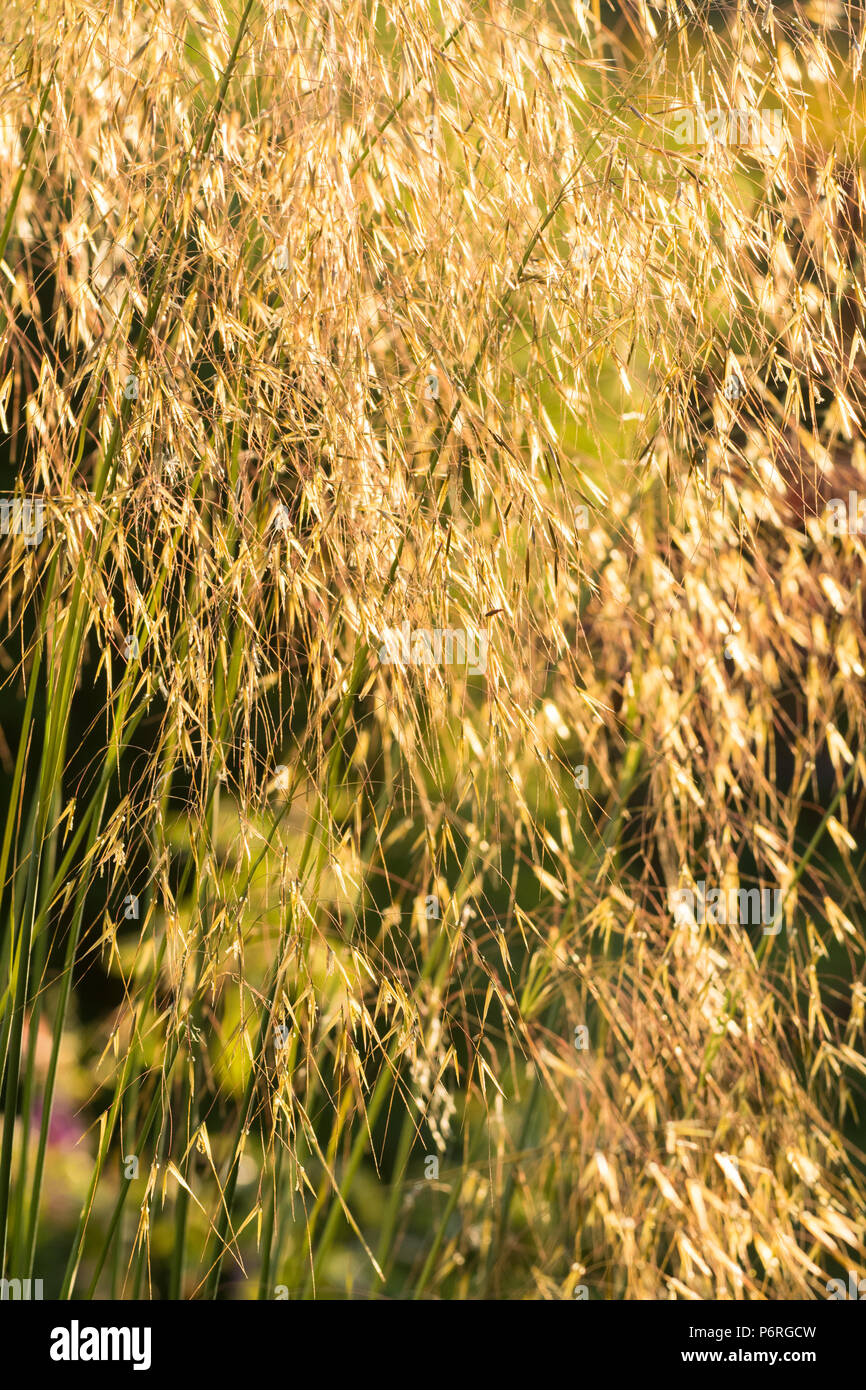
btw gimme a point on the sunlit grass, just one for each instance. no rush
(343, 917)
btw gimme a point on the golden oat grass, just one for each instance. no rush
(320, 320)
